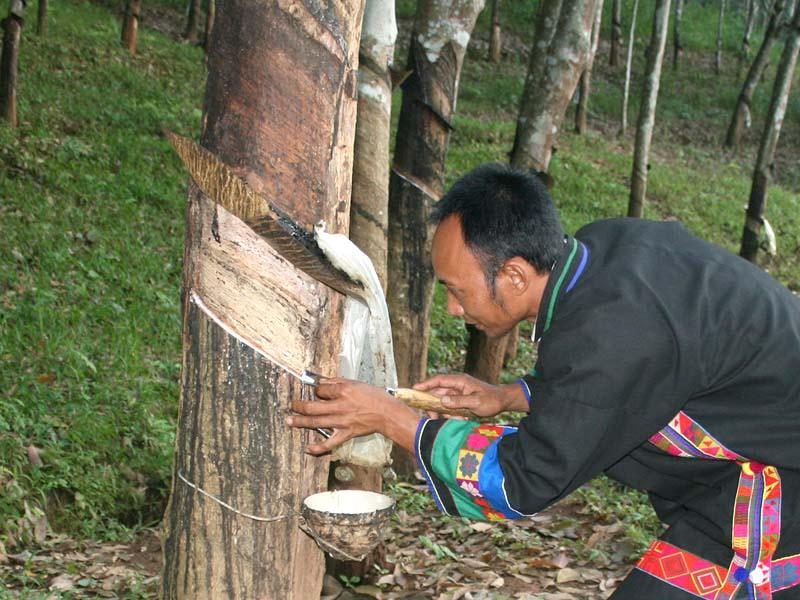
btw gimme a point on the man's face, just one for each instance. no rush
(468, 293)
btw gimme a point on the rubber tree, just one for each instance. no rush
(192, 30)
(211, 13)
(744, 53)
(647, 109)
(41, 18)
(677, 47)
(740, 120)
(769, 141)
(623, 126)
(280, 107)
(495, 37)
(9, 63)
(130, 24)
(585, 83)
(562, 43)
(439, 39)
(616, 32)
(720, 25)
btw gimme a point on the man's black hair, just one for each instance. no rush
(504, 212)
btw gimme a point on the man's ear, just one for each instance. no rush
(516, 272)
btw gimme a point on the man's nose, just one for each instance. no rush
(453, 306)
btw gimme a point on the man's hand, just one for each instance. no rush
(484, 399)
(353, 409)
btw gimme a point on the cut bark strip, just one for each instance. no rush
(418, 184)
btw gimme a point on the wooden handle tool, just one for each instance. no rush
(427, 402)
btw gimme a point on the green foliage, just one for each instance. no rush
(92, 215)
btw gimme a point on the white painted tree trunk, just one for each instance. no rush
(623, 128)
(720, 23)
(585, 84)
(677, 48)
(647, 110)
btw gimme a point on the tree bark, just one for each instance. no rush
(280, 109)
(562, 44)
(495, 39)
(769, 142)
(616, 32)
(211, 12)
(41, 18)
(647, 111)
(677, 48)
(720, 23)
(623, 128)
(744, 54)
(585, 84)
(130, 25)
(438, 44)
(741, 113)
(12, 33)
(192, 30)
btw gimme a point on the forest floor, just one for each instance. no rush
(92, 206)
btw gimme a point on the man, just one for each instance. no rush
(666, 362)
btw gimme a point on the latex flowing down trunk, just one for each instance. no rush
(41, 18)
(720, 23)
(280, 109)
(369, 207)
(616, 32)
(742, 112)
(769, 141)
(9, 63)
(192, 29)
(623, 127)
(130, 24)
(495, 38)
(562, 43)
(585, 84)
(439, 39)
(677, 48)
(647, 110)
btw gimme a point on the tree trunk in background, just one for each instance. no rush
(438, 44)
(744, 54)
(742, 112)
(190, 34)
(647, 110)
(769, 141)
(562, 43)
(720, 22)
(130, 24)
(616, 32)
(211, 12)
(41, 18)
(495, 41)
(280, 109)
(12, 32)
(369, 206)
(623, 127)
(585, 84)
(677, 48)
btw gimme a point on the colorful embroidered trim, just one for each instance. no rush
(703, 578)
(756, 513)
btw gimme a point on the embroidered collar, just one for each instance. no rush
(563, 276)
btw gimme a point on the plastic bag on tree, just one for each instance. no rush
(367, 352)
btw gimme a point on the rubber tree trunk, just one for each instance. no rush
(744, 53)
(677, 47)
(720, 24)
(585, 83)
(623, 127)
(41, 18)
(647, 110)
(740, 119)
(280, 108)
(616, 32)
(369, 207)
(192, 30)
(130, 25)
(562, 43)
(769, 141)
(439, 40)
(495, 38)
(211, 13)
(9, 63)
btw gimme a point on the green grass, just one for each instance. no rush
(92, 200)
